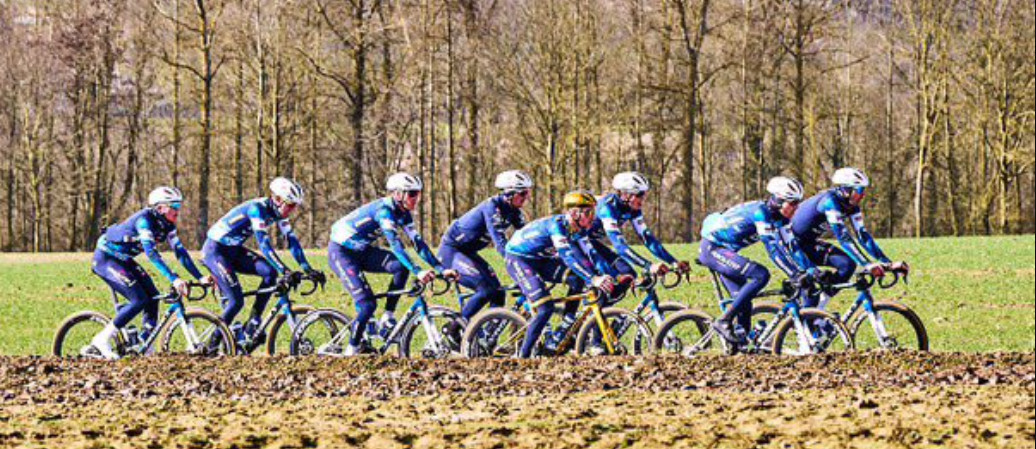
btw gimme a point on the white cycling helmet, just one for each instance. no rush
(404, 182)
(785, 189)
(630, 182)
(287, 190)
(164, 195)
(850, 177)
(513, 180)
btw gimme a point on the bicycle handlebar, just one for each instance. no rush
(172, 297)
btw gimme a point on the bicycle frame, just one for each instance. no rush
(176, 310)
(592, 308)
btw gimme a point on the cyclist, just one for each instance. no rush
(725, 234)
(351, 253)
(546, 249)
(113, 262)
(486, 224)
(828, 212)
(616, 210)
(226, 256)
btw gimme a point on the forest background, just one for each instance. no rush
(102, 100)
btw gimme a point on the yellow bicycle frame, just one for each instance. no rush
(593, 307)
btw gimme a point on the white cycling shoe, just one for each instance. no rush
(102, 342)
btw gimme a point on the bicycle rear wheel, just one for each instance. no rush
(629, 329)
(687, 333)
(75, 335)
(201, 333)
(322, 332)
(281, 331)
(899, 328)
(495, 332)
(817, 332)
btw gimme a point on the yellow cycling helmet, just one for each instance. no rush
(579, 200)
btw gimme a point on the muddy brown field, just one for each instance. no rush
(860, 400)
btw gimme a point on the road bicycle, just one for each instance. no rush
(596, 330)
(181, 330)
(419, 333)
(885, 325)
(268, 335)
(780, 329)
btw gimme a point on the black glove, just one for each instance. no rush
(291, 279)
(803, 280)
(316, 276)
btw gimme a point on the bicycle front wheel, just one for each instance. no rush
(322, 332)
(74, 337)
(630, 331)
(892, 326)
(495, 332)
(438, 335)
(197, 332)
(815, 332)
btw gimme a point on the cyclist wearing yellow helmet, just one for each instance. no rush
(546, 249)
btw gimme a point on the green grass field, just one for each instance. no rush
(974, 294)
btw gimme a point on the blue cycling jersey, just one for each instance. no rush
(486, 224)
(255, 217)
(549, 237)
(612, 215)
(827, 212)
(364, 226)
(140, 234)
(744, 225)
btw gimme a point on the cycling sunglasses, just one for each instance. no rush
(413, 193)
(175, 206)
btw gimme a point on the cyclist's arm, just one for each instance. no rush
(600, 264)
(496, 228)
(611, 228)
(867, 240)
(770, 236)
(793, 248)
(147, 241)
(653, 244)
(294, 245)
(183, 256)
(837, 222)
(422, 248)
(388, 227)
(262, 237)
(572, 257)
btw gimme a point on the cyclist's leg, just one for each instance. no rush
(128, 279)
(824, 254)
(251, 263)
(217, 260)
(527, 275)
(476, 274)
(748, 277)
(834, 257)
(377, 260)
(346, 266)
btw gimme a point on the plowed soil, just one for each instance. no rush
(860, 400)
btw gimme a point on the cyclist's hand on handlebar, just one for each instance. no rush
(900, 267)
(290, 279)
(625, 279)
(604, 283)
(659, 269)
(683, 267)
(426, 277)
(451, 275)
(876, 270)
(208, 281)
(182, 287)
(316, 276)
